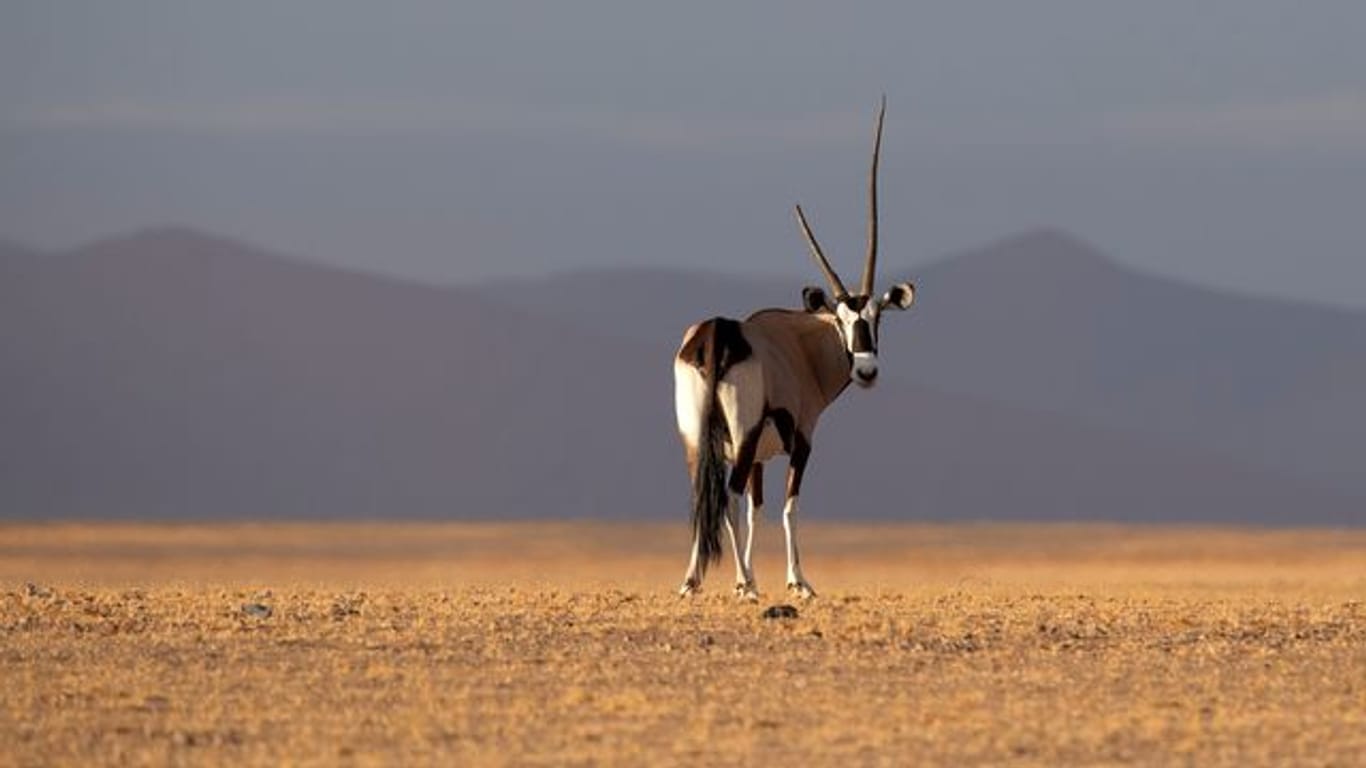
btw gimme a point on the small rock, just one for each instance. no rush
(706, 641)
(256, 610)
(33, 590)
(348, 605)
(780, 612)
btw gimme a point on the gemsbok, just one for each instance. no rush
(748, 390)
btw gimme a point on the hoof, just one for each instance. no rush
(800, 590)
(747, 592)
(690, 588)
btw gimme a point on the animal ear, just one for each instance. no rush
(813, 299)
(900, 296)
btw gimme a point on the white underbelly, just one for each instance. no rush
(770, 444)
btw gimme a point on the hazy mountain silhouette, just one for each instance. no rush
(171, 374)
(1045, 321)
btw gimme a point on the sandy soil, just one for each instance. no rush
(563, 644)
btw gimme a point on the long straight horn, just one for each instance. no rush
(819, 256)
(870, 265)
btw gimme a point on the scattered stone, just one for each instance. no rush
(155, 703)
(780, 612)
(347, 605)
(256, 610)
(706, 641)
(34, 590)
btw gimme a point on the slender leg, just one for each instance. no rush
(796, 583)
(740, 477)
(692, 581)
(756, 511)
(744, 579)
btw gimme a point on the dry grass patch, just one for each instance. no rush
(514, 645)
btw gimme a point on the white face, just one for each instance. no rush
(859, 325)
(859, 318)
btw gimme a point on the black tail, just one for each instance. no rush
(709, 495)
(715, 355)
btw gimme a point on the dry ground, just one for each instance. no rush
(562, 644)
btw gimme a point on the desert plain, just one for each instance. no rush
(564, 644)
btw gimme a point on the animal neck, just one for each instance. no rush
(836, 361)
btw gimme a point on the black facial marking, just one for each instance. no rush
(863, 336)
(856, 303)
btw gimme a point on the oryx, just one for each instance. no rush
(745, 391)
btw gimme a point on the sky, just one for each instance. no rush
(1222, 142)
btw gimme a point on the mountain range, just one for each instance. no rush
(176, 375)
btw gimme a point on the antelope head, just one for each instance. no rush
(858, 315)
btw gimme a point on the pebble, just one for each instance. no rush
(33, 590)
(780, 612)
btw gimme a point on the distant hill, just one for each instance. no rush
(175, 375)
(171, 374)
(1045, 321)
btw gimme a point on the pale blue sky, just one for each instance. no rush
(1219, 141)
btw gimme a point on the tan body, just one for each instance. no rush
(798, 365)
